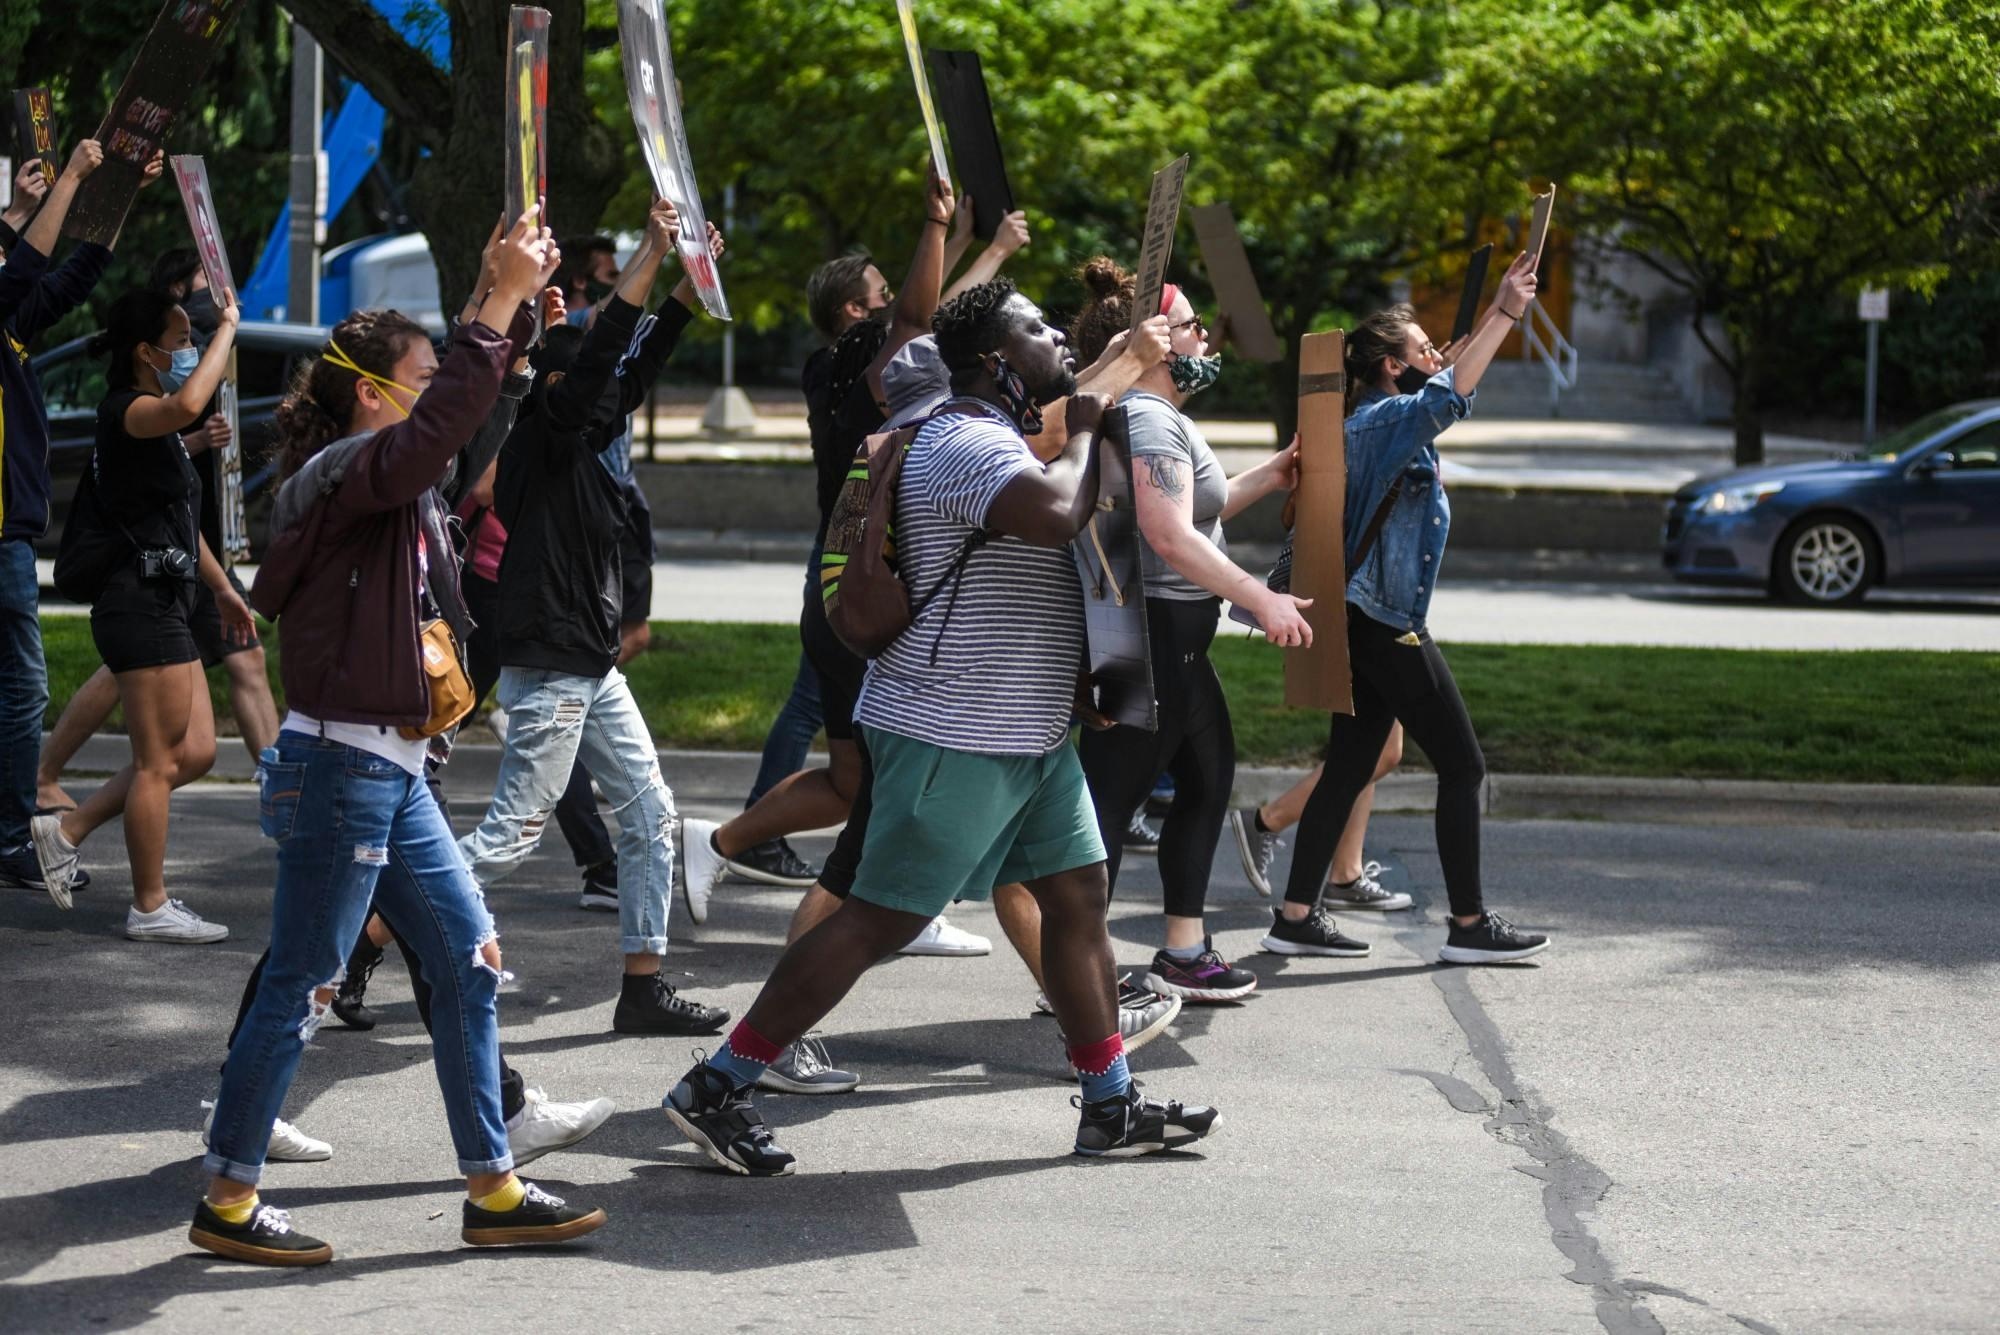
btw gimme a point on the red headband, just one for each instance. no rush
(1168, 292)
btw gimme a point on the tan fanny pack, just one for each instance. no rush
(444, 675)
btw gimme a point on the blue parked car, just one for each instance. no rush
(1922, 507)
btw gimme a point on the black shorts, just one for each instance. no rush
(840, 671)
(635, 558)
(837, 876)
(143, 623)
(207, 625)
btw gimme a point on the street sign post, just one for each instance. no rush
(1874, 309)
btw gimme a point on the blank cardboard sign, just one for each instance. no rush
(1538, 226)
(975, 139)
(1468, 298)
(1320, 677)
(1236, 292)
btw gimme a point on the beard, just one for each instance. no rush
(1060, 386)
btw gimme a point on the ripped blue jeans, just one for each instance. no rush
(553, 718)
(353, 828)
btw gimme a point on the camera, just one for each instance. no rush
(174, 563)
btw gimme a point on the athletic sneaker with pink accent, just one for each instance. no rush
(1206, 977)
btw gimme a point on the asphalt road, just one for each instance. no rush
(1751, 1087)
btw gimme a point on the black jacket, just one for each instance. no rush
(560, 598)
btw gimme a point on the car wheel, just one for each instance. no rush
(1825, 561)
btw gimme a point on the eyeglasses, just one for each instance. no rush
(1194, 322)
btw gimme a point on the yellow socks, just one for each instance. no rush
(507, 1198)
(238, 1213)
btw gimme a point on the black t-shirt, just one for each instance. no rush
(147, 483)
(841, 411)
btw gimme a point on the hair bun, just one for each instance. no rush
(1104, 278)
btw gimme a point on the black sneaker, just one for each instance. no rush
(774, 863)
(1314, 934)
(1207, 977)
(1130, 1124)
(350, 1001)
(266, 1238)
(20, 871)
(1141, 837)
(723, 1122)
(653, 1007)
(1491, 940)
(539, 1218)
(600, 888)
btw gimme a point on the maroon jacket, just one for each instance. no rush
(340, 575)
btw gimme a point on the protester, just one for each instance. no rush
(975, 723)
(559, 637)
(32, 299)
(1402, 397)
(137, 508)
(1183, 499)
(359, 554)
(1351, 883)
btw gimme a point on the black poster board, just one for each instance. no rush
(1114, 589)
(975, 139)
(170, 67)
(1475, 283)
(35, 130)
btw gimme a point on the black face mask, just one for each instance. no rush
(1411, 379)
(200, 308)
(1014, 393)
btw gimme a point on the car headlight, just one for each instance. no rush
(1736, 500)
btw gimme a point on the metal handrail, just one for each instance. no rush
(1554, 351)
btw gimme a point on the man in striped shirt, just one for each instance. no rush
(967, 719)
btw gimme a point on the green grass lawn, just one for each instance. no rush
(1875, 716)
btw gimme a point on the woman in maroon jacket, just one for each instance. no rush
(359, 560)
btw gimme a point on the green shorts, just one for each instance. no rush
(946, 825)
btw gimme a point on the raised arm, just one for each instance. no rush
(923, 287)
(42, 233)
(1510, 303)
(571, 401)
(1049, 506)
(156, 415)
(1010, 237)
(1116, 370)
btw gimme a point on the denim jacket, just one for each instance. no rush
(1391, 436)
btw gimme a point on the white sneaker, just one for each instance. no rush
(57, 856)
(1365, 892)
(543, 1125)
(174, 922)
(702, 868)
(941, 938)
(288, 1143)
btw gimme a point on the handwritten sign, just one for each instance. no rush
(35, 128)
(191, 175)
(171, 65)
(914, 49)
(527, 110)
(654, 93)
(1163, 213)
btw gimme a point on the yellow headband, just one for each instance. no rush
(347, 363)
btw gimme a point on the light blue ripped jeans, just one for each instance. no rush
(552, 719)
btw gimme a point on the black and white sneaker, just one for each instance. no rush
(806, 1068)
(656, 1008)
(539, 1218)
(774, 863)
(1141, 837)
(1314, 934)
(1256, 847)
(265, 1238)
(600, 888)
(1491, 940)
(1129, 1125)
(1364, 892)
(723, 1122)
(1206, 977)
(19, 870)
(1143, 1014)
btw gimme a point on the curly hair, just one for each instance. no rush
(1107, 309)
(319, 405)
(1382, 334)
(973, 323)
(832, 286)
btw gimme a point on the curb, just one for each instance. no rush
(712, 778)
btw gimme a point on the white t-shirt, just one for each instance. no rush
(387, 743)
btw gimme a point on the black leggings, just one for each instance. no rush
(1195, 744)
(1411, 682)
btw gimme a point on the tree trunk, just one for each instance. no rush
(1747, 410)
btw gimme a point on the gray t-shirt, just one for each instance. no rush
(1008, 641)
(1159, 430)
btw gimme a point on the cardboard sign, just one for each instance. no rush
(1114, 589)
(654, 94)
(1163, 214)
(915, 50)
(1468, 298)
(229, 472)
(1236, 294)
(35, 129)
(1320, 677)
(191, 175)
(527, 111)
(975, 139)
(1538, 226)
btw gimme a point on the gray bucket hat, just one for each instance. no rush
(915, 382)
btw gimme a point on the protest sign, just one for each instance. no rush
(1538, 226)
(1468, 297)
(229, 472)
(1163, 213)
(35, 129)
(191, 175)
(527, 111)
(975, 139)
(1114, 589)
(1320, 677)
(1240, 304)
(171, 64)
(654, 95)
(915, 51)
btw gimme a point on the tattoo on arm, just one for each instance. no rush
(1167, 476)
